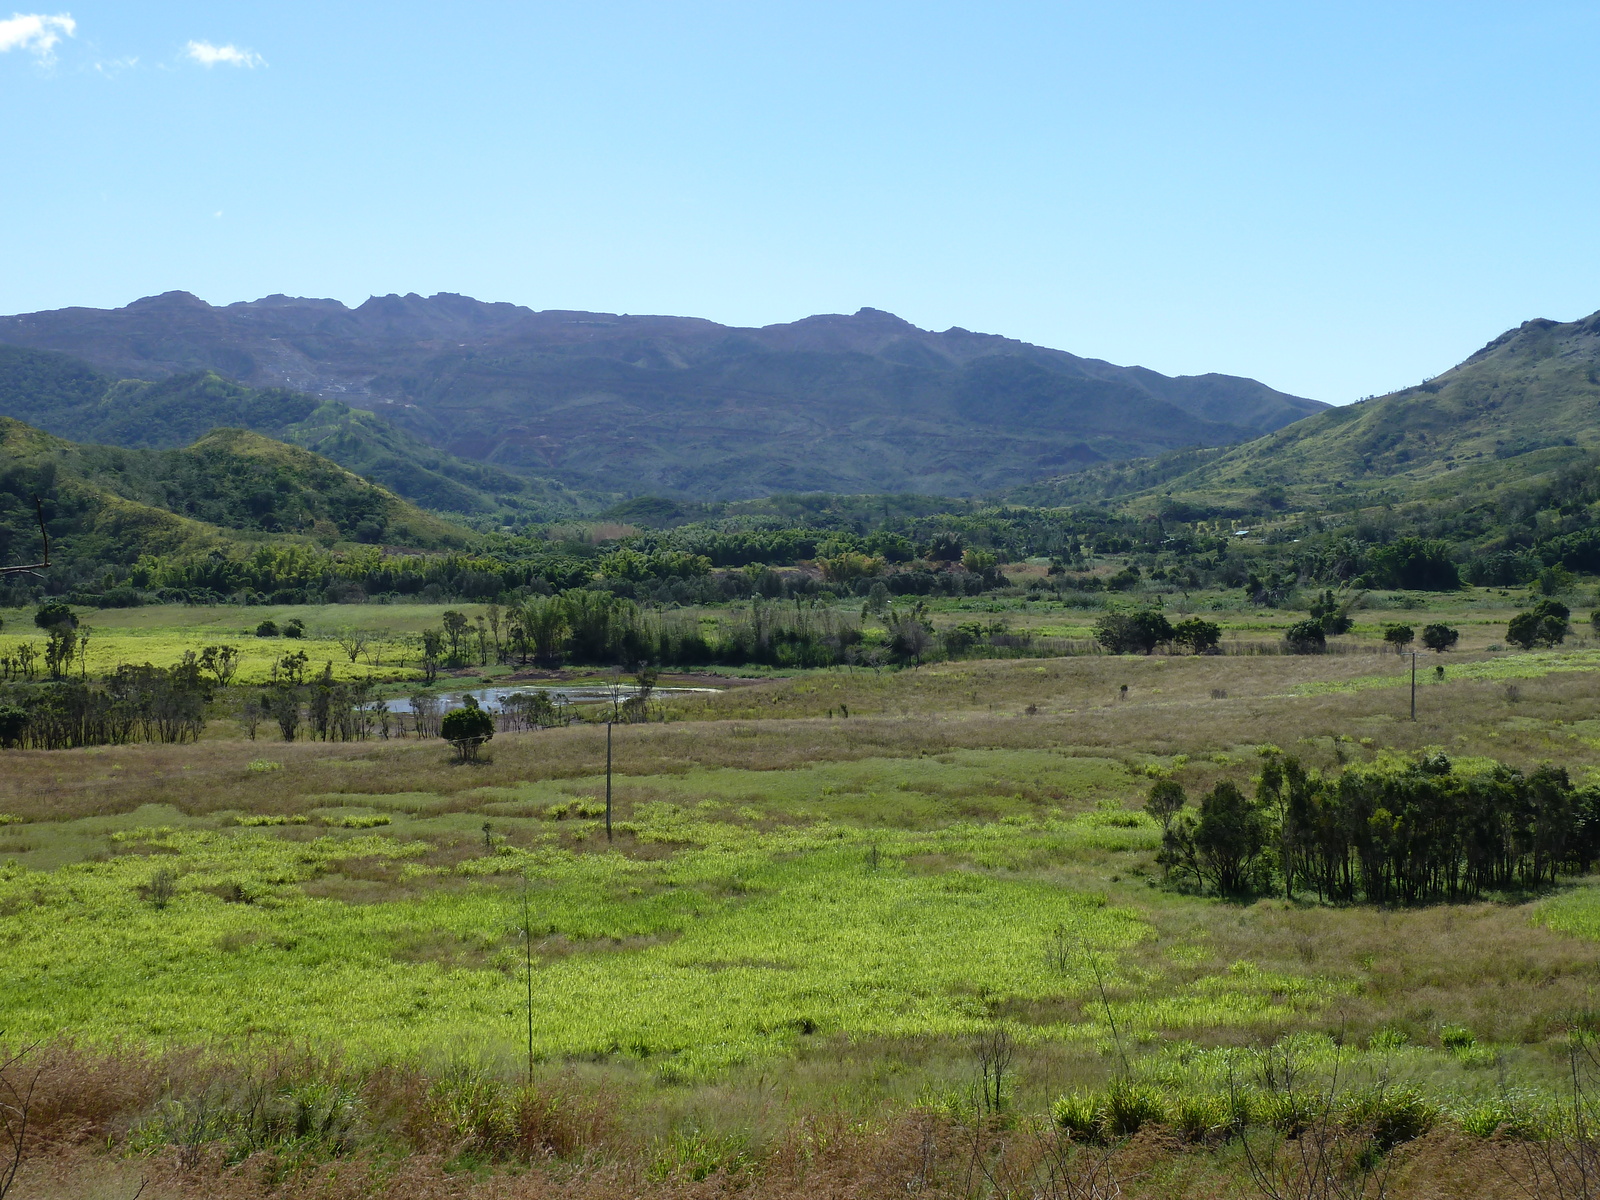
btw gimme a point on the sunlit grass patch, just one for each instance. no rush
(745, 942)
(1575, 910)
(1533, 665)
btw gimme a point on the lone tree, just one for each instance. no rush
(1399, 636)
(467, 729)
(1165, 802)
(1199, 636)
(1545, 624)
(1439, 638)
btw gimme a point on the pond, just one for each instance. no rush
(579, 693)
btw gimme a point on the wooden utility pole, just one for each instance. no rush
(608, 781)
(44, 536)
(527, 945)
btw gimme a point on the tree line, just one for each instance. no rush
(1381, 833)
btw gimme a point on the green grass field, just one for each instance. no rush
(832, 905)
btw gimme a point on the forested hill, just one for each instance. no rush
(1521, 410)
(108, 504)
(681, 406)
(68, 397)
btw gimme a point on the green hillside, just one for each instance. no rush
(71, 399)
(107, 505)
(1523, 408)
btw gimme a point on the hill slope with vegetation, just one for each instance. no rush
(108, 505)
(71, 399)
(680, 406)
(1527, 405)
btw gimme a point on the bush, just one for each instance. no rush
(296, 628)
(1228, 838)
(1556, 579)
(267, 628)
(1439, 638)
(55, 615)
(1200, 1117)
(1078, 1115)
(1128, 1107)
(1331, 615)
(1165, 802)
(467, 729)
(1306, 637)
(1391, 1115)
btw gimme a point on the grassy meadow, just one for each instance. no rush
(825, 889)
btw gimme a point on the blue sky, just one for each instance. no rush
(1336, 198)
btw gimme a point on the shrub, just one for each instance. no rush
(1391, 1115)
(55, 615)
(163, 886)
(1128, 1107)
(1439, 638)
(1331, 615)
(296, 628)
(1413, 564)
(1290, 1113)
(267, 628)
(1556, 579)
(1200, 1117)
(1306, 637)
(1078, 1115)
(467, 729)
(1228, 838)
(13, 724)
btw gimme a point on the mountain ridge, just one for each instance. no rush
(683, 405)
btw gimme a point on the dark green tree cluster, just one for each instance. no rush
(1542, 626)
(1383, 834)
(325, 708)
(595, 627)
(134, 704)
(1138, 632)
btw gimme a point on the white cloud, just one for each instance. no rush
(208, 55)
(35, 33)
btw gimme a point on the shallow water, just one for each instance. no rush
(589, 693)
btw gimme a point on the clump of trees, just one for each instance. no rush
(133, 704)
(329, 709)
(1305, 637)
(1138, 632)
(1382, 833)
(1542, 626)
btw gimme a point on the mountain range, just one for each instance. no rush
(674, 406)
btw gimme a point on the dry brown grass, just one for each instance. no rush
(783, 724)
